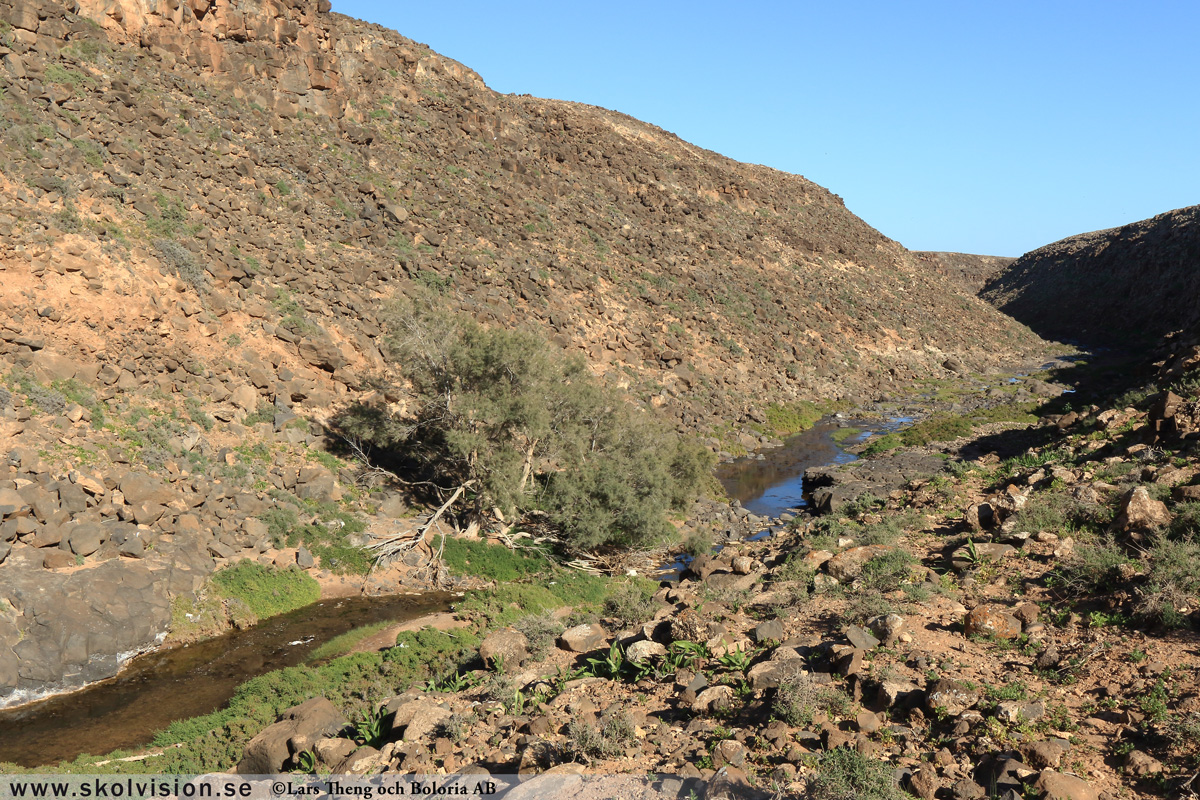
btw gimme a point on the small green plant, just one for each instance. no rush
(736, 660)
(610, 666)
(369, 728)
(306, 762)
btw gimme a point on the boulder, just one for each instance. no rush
(12, 503)
(1058, 786)
(769, 674)
(507, 647)
(769, 631)
(321, 352)
(142, 489)
(714, 698)
(417, 717)
(644, 649)
(583, 638)
(1044, 754)
(992, 621)
(86, 538)
(48, 367)
(848, 565)
(1140, 513)
(1142, 765)
(269, 751)
(949, 696)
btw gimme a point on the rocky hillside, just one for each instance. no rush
(1127, 285)
(971, 272)
(296, 168)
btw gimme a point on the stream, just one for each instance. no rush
(160, 687)
(771, 483)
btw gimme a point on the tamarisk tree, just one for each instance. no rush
(525, 427)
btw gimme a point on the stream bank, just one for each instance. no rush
(158, 688)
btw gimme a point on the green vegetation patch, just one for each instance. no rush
(266, 591)
(948, 427)
(343, 644)
(525, 427)
(789, 418)
(328, 538)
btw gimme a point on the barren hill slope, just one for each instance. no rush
(972, 272)
(287, 150)
(1114, 287)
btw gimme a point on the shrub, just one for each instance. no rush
(524, 426)
(264, 413)
(607, 740)
(1059, 512)
(799, 697)
(887, 571)
(179, 260)
(1093, 568)
(631, 603)
(843, 772)
(865, 605)
(541, 630)
(697, 543)
(1187, 521)
(1174, 582)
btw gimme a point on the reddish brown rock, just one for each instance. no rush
(992, 621)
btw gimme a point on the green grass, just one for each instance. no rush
(947, 427)
(328, 539)
(341, 645)
(789, 418)
(266, 591)
(842, 434)
(493, 562)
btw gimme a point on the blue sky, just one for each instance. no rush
(981, 127)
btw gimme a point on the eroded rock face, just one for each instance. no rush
(72, 639)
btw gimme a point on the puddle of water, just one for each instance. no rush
(158, 688)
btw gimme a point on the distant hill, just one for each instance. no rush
(971, 272)
(1115, 287)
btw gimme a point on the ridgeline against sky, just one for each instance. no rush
(990, 128)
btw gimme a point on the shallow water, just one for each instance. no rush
(775, 484)
(158, 688)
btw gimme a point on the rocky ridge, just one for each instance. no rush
(1113, 287)
(972, 272)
